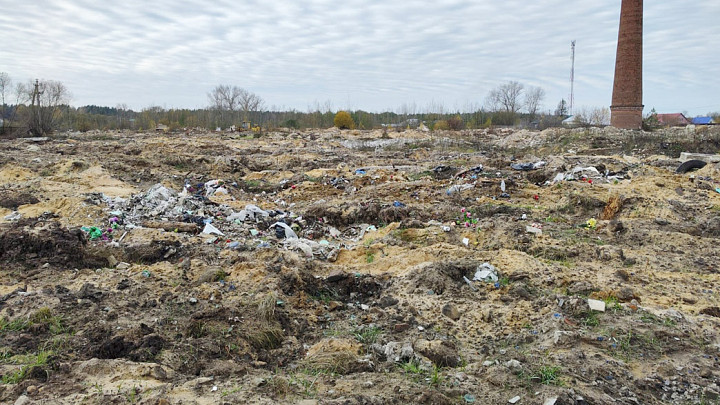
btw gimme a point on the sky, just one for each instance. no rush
(372, 55)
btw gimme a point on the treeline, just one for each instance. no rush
(94, 117)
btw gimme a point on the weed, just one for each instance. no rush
(14, 325)
(504, 281)
(411, 367)
(367, 335)
(612, 303)
(435, 377)
(369, 257)
(549, 375)
(590, 319)
(38, 360)
(225, 393)
(266, 306)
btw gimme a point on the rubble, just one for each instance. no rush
(359, 267)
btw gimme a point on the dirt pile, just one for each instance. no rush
(356, 267)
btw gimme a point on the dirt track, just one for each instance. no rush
(368, 305)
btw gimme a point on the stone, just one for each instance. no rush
(335, 277)
(112, 261)
(401, 327)
(440, 352)
(451, 312)
(122, 266)
(387, 302)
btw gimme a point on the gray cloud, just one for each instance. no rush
(359, 54)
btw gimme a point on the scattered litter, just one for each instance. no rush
(472, 287)
(535, 228)
(398, 204)
(469, 398)
(466, 241)
(486, 272)
(690, 165)
(458, 188)
(210, 230)
(502, 186)
(550, 401)
(14, 216)
(514, 399)
(360, 171)
(283, 230)
(528, 166)
(146, 273)
(596, 305)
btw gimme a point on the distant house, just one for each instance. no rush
(571, 122)
(673, 120)
(703, 121)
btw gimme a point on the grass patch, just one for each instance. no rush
(28, 362)
(367, 335)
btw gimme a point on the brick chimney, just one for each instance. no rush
(627, 106)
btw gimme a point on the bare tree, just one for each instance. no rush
(506, 97)
(227, 100)
(249, 102)
(533, 98)
(594, 117)
(5, 84)
(46, 98)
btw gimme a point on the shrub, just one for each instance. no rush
(456, 123)
(441, 125)
(343, 120)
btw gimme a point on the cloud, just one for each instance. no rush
(367, 54)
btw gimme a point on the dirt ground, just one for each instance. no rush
(341, 267)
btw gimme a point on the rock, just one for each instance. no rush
(112, 261)
(22, 400)
(451, 312)
(441, 352)
(335, 305)
(711, 394)
(387, 302)
(31, 390)
(513, 364)
(581, 288)
(401, 327)
(520, 291)
(662, 221)
(625, 294)
(336, 276)
(623, 274)
(712, 311)
(616, 226)
(122, 266)
(487, 315)
(398, 352)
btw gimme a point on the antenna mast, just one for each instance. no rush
(572, 77)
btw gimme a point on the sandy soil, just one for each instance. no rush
(369, 303)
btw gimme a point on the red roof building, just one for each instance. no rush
(673, 120)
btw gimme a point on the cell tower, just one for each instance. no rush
(572, 76)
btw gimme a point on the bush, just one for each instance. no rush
(441, 125)
(343, 120)
(456, 123)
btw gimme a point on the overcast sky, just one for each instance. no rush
(358, 54)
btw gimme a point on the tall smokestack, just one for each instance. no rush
(627, 106)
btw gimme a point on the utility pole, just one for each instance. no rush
(572, 76)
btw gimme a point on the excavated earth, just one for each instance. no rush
(116, 286)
